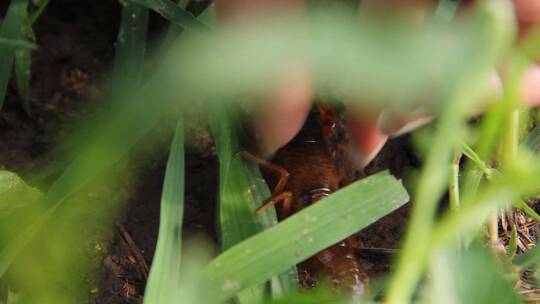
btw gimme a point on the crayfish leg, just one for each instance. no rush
(277, 170)
(284, 197)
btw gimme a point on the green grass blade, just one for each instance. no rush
(472, 181)
(23, 60)
(237, 218)
(208, 16)
(521, 204)
(512, 243)
(471, 276)
(528, 258)
(454, 196)
(173, 32)
(174, 13)
(287, 281)
(11, 29)
(131, 45)
(532, 141)
(475, 158)
(16, 44)
(237, 206)
(23, 65)
(164, 278)
(40, 7)
(491, 128)
(303, 234)
(237, 209)
(15, 193)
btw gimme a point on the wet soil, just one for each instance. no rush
(76, 48)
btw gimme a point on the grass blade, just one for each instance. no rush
(209, 16)
(470, 276)
(303, 234)
(454, 196)
(23, 65)
(23, 60)
(15, 193)
(206, 17)
(21, 25)
(16, 44)
(523, 206)
(475, 158)
(131, 45)
(528, 258)
(164, 278)
(512, 243)
(237, 206)
(237, 218)
(533, 140)
(40, 7)
(11, 29)
(286, 282)
(174, 13)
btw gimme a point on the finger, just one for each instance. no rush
(366, 139)
(527, 11)
(282, 114)
(530, 86)
(528, 16)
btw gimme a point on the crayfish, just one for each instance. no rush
(309, 168)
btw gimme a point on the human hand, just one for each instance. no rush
(284, 112)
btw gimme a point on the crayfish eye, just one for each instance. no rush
(306, 199)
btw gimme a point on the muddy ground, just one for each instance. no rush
(76, 48)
